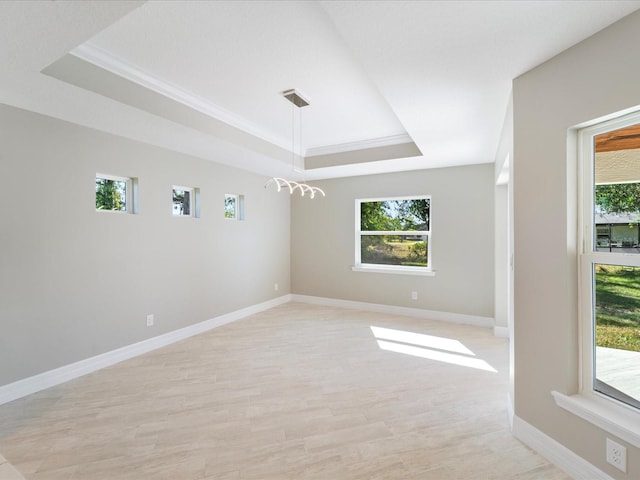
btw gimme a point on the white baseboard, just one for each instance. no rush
(563, 458)
(51, 378)
(27, 386)
(510, 410)
(475, 320)
(499, 331)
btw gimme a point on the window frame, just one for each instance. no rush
(604, 411)
(131, 192)
(392, 269)
(194, 201)
(239, 206)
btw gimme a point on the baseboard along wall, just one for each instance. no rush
(474, 320)
(563, 458)
(549, 448)
(51, 378)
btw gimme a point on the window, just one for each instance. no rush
(115, 194)
(186, 202)
(234, 206)
(610, 259)
(393, 235)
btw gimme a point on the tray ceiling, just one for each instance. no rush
(393, 86)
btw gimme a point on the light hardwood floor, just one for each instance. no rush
(296, 392)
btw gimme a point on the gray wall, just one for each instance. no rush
(597, 77)
(323, 242)
(75, 283)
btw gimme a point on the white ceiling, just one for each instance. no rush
(205, 77)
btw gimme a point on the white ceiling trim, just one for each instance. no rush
(438, 74)
(102, 59)
(361, 145)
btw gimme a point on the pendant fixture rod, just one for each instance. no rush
(297, 99)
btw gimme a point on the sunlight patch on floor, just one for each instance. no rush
(440, 349)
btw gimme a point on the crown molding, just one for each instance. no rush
(360, 145)
(106, 61)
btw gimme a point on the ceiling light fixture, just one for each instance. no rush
(297, 100)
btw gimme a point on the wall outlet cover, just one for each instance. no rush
(617, 455)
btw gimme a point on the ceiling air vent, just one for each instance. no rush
(295, 97)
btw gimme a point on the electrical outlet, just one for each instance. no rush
(616, 455)
(150, 320)
(275, 287)
(414, 295)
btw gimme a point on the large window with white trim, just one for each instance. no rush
(610, 260)
(394, 234)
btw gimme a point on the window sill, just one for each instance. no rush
(393, 270)
(118, 212)
(609, 415)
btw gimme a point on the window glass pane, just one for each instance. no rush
(181, 202)
(405, 250)
(395, 215)
(617, 190)
(111, 194)
(230, 206)
(617, 332)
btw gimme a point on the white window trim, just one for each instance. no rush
(239, 210)
(391, 269)
(194, 194)
(611, 415)
(131, 193)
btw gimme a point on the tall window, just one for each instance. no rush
(234, 206)
(610, 260)
(115, 194)
(394, 234)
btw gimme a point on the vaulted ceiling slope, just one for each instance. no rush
(394, 85)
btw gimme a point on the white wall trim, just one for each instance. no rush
(499, 331)
(394, 270)
(51, 378)
(510, 410)
(360, 145)
(474, 320)
(608, 414)
(555, 452)
(117, 66)
(27, 386)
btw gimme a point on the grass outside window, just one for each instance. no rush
(394, 250)
(617, 307)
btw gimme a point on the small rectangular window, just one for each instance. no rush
(186, 201)
(394, 233)
(234, 206)
(115, 194)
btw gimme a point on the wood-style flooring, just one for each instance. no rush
(296, 392)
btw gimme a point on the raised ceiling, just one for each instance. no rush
(394, 85)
